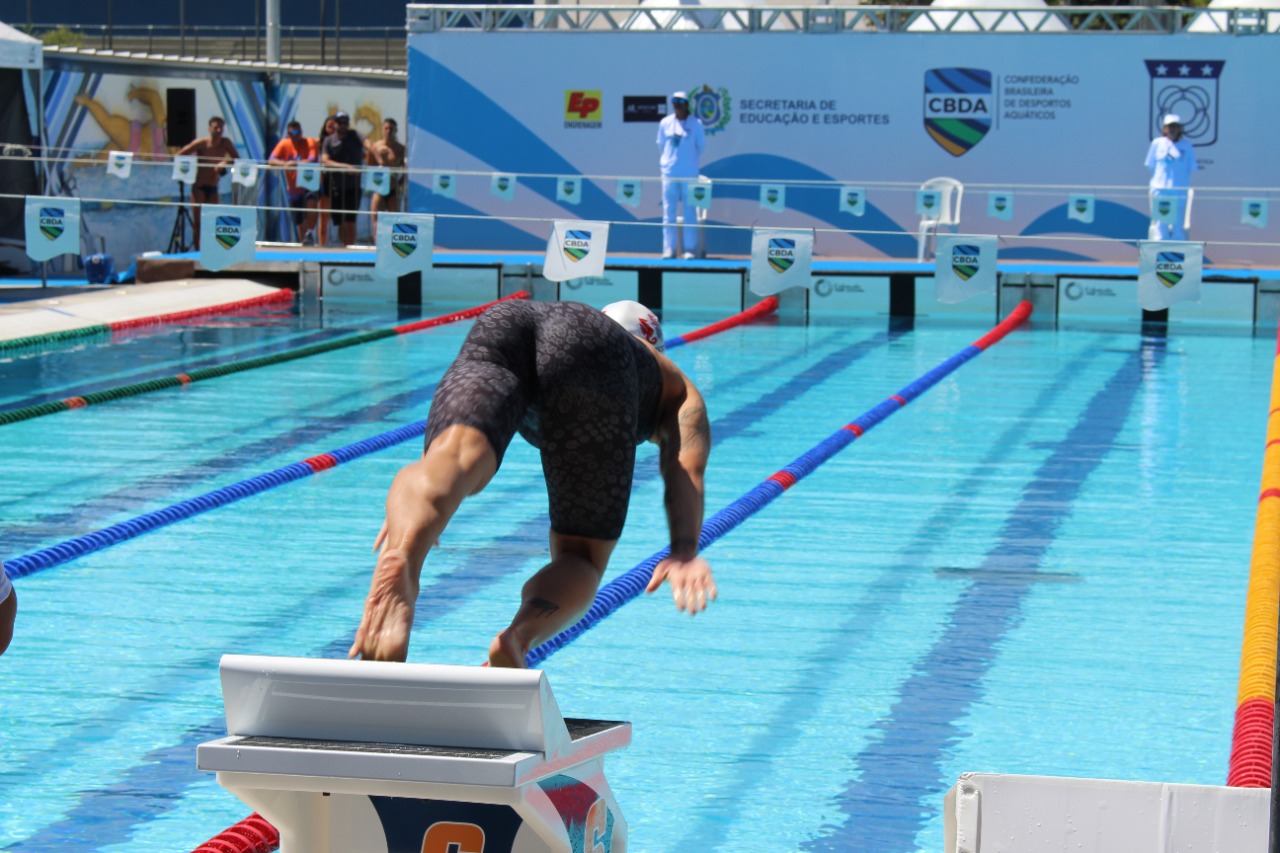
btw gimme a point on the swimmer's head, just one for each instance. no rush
(637, 320)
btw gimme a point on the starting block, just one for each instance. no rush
(343, 756)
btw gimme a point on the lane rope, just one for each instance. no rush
(119, 392)
(1251, 737)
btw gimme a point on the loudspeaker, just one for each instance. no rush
(180, 107)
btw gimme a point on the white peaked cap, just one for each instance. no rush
(637, 320)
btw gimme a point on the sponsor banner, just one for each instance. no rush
(853, 200)
(647, 108)
(965, 266)
(377, 179)
(576, 249)
(1164, 209)
(929, 203)
(184, 169)
(53, 227)
(120, 164)
(309, 176)
(1253, 211)
(227, 235)
(582, 108)
(244, 172)
(568, 190)
(700, 194)
(1169, 272)
(404, 243)
(628, 192)
(1080, 207)
(444, 184)
(503, 186)
(780, 259)
(1000, 205)
(773, 197)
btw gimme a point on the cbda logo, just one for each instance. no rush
(957, 107)
(227, 231)
(577, 245)
(781, 253)
(711, 106)
(404, 238)
(51, 222)
(1169, 267)
(965, 261)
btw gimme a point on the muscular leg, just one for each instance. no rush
(555, 598)
(424, 496)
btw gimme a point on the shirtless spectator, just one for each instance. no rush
(214, 155)
(387, 152)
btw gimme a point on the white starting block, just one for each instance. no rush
(991, 813)
(370, 757)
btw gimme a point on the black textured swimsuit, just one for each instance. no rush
(576, 386)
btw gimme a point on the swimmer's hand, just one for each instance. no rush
(692, 585)
(388, 611)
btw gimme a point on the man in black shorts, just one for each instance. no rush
(585, 387)
(342, 154)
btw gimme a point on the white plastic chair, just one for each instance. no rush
(950, 193)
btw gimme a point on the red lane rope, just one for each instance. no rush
(282, 295)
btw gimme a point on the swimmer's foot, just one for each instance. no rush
(505, 651)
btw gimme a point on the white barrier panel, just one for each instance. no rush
(989, 812)
(385, 757)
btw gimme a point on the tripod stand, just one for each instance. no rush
(178, 237)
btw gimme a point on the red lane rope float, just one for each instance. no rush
(183, 379)
(1251, 739)
(284, 294)
(629, 585)
(760, 309)
(251, 835)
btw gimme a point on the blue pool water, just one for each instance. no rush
(1038, 567)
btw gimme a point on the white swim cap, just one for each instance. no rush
(637, 320)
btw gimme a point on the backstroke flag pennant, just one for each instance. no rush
(228, 233)
(53, 227)
(309, 176)
(1169, 272)
(378, 180)
(1164, 209)
(853, 200)
(964, 266)
(628, 192)
(700, 194)
(244, 173)
(120, 164)
(569, 190)
(1000, 205)
(780, 258)
(503, 186)
(773, 197)
(444, 184)
(184, 169)
(1253, 211)
(404, 242)
(575, 250)
(929, 203)
(1080, 207)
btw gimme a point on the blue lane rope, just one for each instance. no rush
(630, 584)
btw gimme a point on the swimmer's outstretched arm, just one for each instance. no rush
(422, 499)
(684, 441)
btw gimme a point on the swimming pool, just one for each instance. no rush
(1037, 567)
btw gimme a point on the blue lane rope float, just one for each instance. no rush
(64, 552)
(630, 584)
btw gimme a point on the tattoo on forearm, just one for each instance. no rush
(545, 608)
(695, 431)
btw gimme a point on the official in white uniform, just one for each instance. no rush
(1172, 161)
(681, 138)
